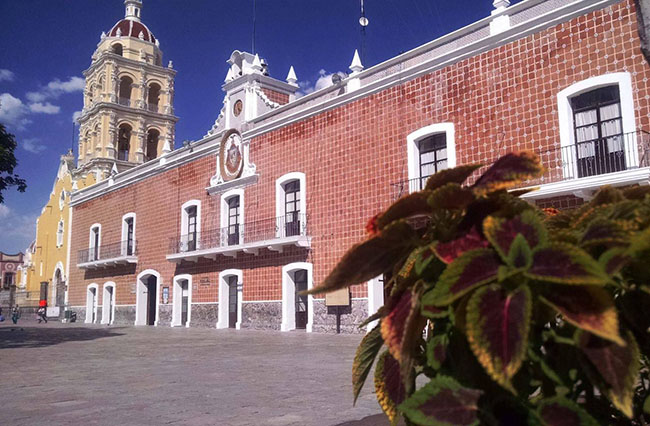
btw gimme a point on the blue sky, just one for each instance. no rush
(46, 44)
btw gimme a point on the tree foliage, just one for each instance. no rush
(503, 313)
(8, 163)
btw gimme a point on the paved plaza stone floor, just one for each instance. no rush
(63, 374)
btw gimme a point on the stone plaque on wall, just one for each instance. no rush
(204, 281)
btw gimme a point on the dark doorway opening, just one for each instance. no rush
(232, 301)
(185, 302)
(152, 284)
(300, 281)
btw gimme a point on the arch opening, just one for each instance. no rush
(123, 142)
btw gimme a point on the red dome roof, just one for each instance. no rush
(131, 28)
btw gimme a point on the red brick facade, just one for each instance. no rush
(499, 101)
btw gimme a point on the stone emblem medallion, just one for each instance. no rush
(231, 160)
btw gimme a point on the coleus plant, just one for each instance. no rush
(500, 313)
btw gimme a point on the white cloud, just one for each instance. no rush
(56, 88)
(6, 75)
(4, 211)
(75, 116)
(32, 145)
(46, 108)
(13, 111)
(324, 80)
(17, 229)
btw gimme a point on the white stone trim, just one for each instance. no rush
(289, 296)
(415, 137)
(91, 303)
(185, 220)
(263, 301)
(375, 299)
(99, 239)
(112, 302)
(224, 297)
(205, 303)
(58, 267)
(141, 298)
(565, 115)
(177, 299)
(223, 218)
(125, 232)
(67, 265)
(279, 194)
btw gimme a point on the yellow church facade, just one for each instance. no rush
(45, 270)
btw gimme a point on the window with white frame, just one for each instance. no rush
(232, 217)
(95, 242)
(128, 235)
(190, 226)
(290, 200)
(430, 150)
(597, 126)
(59, 234)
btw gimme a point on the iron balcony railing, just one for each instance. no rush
(289, 225)
(124, 101)
(108, 252)
(590, 158)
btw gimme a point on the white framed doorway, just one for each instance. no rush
(182, 301)
(147, 298)
(231, 284)
(297, 310)
(91, 303)
(108, 303)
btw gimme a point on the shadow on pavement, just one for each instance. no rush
(376, 420)
(36, 337)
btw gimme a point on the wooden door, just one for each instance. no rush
(300, 281)
(232, 301)
(151, 301)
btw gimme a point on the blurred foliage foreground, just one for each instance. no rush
(506, 314)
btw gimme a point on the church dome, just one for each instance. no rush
(132, 28)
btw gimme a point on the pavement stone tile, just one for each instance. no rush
(62, 374)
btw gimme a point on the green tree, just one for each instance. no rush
(8, 163)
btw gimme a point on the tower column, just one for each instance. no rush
(140, 141)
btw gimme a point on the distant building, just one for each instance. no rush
(9, 267)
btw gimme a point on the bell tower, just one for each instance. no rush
(128, 115)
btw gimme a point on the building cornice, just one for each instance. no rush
(129, 62)
(100, 107)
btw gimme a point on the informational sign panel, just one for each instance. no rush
(338, 298)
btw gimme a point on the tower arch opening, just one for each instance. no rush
(126, 84)
(123, 142)
(117, 49)
(154, 97)
(153, 136)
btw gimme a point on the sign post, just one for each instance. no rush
(338, 299)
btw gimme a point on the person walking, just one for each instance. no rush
(42, 315)
(15, 314)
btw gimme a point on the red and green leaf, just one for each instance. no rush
(449, 251)
(559, 411)
(587, 307)
(437, 350)
(364, 358)
(502, 232)
(456, 175)
(370, 258)
(443, 401)
(407, 206)
(389, 386)
(451, 196)
(520, 255)
(566, 264)
(614, 259)
(498, 323)
(508, 171)
(469, 271)
(403, 324)
(616, 366)
(604, 232)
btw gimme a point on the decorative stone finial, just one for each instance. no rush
(257, 64)
(356, 65)
(114, 170)
(157, 43)
(229, 75)
(170, 65)
(141, 35)
(103, 36)
(291, 77)
(118, 33)
(500, 4)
